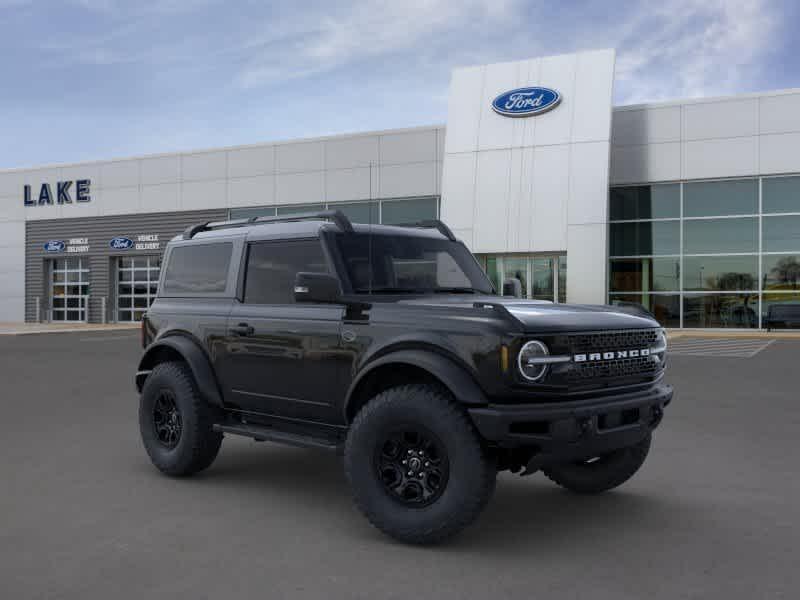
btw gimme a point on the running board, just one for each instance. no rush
(268, 434)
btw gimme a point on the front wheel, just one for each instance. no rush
(416, 465)
(601, 473)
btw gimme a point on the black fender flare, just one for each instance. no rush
(194, 356)
(452, 375)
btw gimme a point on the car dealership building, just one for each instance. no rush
(690, 207)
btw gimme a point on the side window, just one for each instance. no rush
(198, 269)
(272, 267)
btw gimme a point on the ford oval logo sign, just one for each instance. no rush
(121, 243)
(54, 246)
(526, 102)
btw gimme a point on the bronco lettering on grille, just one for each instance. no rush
(617, 354)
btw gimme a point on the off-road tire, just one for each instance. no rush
(198, 444)
(607, 472)
(472, 473)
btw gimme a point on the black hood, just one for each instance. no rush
(541, 316)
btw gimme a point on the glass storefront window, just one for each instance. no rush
(725, 266)
(539, 276)
(644, 275)
(645, 239)
(645, 202)
(358, 212)
(398, 212)
(249, 213)
(516, 268)
(781, 234)
(780, 272)
(389, 212)
(543, 280)
(664, 307)
(291, 209)
(720, 310)
(492, 268)
(777, 299)
(734, 273)
(720, 198)
(720, 236)
(780, 194)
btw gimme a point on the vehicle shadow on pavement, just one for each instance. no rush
(530, 513)
(534, 514)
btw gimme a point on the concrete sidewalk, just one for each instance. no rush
(31, 328)
(757, 334)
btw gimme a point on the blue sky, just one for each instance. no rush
(95, 79)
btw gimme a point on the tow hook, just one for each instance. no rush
(658, 414)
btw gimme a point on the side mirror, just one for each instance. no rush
(512, 287)
(317, 287)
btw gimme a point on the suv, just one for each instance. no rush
(389, 345)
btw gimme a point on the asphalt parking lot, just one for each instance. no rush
(715, 512)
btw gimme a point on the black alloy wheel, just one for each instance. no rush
(413, 466)
(167, 421)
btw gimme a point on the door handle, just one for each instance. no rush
(242, 329)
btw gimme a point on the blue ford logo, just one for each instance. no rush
(525, 102)
(54, 246)
(121, 243)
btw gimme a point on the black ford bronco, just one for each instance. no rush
(389, 345)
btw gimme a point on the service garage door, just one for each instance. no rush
(137, 285)
(69, 289)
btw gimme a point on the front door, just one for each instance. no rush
(280, 358)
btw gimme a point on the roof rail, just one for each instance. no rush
(433, 224)
(336, 216)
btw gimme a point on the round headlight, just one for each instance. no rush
(529, 363)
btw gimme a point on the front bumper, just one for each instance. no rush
(575, 430)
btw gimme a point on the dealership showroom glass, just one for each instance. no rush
(690, 207)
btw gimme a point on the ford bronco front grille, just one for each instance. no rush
(613, 340)
(600, 344)
(625, 367)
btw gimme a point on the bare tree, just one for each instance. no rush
(786, 272)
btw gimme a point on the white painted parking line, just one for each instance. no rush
(725, 348)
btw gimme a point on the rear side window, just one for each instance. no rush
(272, 267)
(200, 269)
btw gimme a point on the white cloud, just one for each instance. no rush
(689, 48)
(367, 29)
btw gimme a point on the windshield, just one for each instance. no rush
(404, 264)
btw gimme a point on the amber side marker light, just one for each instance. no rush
(504, 358)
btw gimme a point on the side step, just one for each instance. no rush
(268, 434)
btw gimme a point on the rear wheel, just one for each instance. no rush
(601, 473)
(176, 423)
(416, 465)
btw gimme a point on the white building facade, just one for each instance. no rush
(690, 208)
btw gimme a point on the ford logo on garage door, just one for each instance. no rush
(121, 243)
(54, 246)
(526, 102)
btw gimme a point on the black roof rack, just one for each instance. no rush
(433, 224)
(336, 216)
